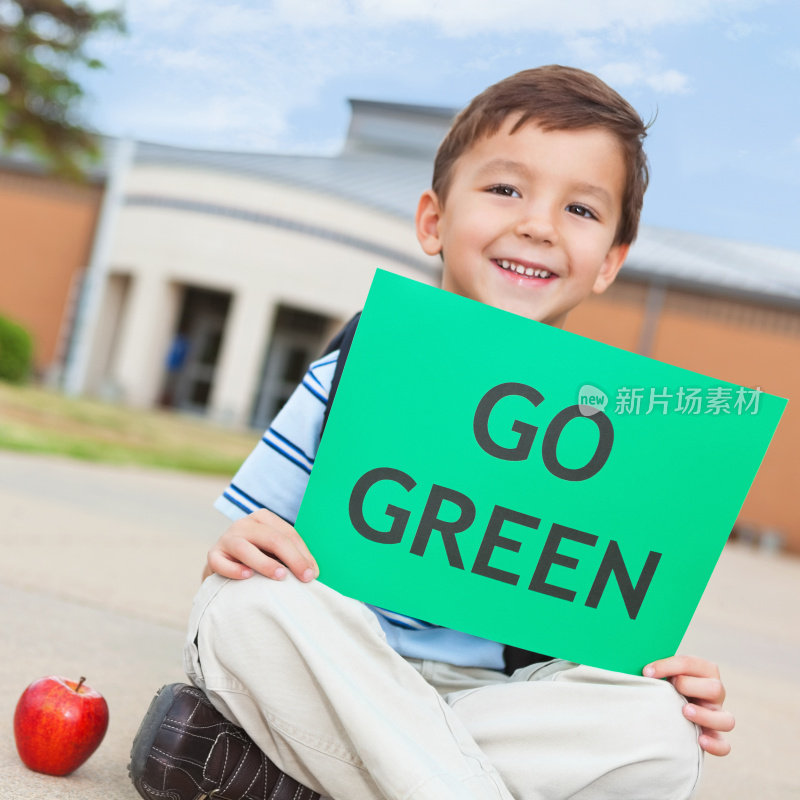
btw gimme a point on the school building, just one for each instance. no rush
(205, 281)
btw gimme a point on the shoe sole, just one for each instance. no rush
(146, 735)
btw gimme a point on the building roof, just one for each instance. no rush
(389, 183)
(715, 266)
(386, 161)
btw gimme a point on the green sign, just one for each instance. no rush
(505, 478)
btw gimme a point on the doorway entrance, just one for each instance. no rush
(193, 355)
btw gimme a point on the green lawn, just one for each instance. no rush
(36, 420)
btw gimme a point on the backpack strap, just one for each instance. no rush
(515, 658)
(340, 342)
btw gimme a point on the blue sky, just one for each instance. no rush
(723, 77)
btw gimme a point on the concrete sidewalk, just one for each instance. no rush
(99, 566)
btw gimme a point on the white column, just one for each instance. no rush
(110, 320)
(150, 320)
(82, 346)
(244, 345)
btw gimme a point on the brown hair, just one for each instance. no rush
(556, 98)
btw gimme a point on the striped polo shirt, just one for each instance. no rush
(274, 476)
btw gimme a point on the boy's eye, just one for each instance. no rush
(581, 211)
(505, 190)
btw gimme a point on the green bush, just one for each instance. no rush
(16, 352)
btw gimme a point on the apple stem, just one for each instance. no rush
(80, 683)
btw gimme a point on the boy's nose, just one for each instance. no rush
(537, 224)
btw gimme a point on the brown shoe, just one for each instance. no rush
(186, 750)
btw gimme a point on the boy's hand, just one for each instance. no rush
(699, 682)
(261, 542)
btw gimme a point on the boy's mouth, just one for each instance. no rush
(525, 270)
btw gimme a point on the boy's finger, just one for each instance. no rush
(709, 689)
(714, 744)
(294, 554)
(274, 535)
(265, 564)
(710, 720)
(299, 558)
(681, 665)
(227, 567)
(247, 557)
(284, 549)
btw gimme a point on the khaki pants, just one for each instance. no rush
(308, 673)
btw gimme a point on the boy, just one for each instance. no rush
(535, 200)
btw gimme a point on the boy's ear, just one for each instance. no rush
(611, 266)
(427, 221)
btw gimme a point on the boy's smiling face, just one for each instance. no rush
(529, 220)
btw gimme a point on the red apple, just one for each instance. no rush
(58, 724)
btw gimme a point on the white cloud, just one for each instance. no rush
(626, 74)
(452, 17)
(192, 60)
(340, 35)
(669, 81)
(277, 58)
(468, 17)
(221, 120)
(159, 15)
(222, 75)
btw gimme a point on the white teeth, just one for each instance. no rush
(528, 272)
